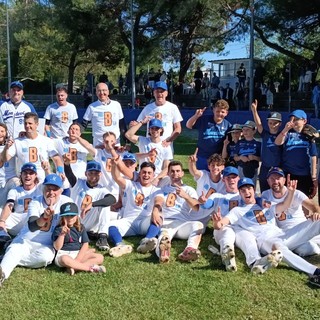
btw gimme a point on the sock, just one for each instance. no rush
(115, 235)
(153, 231)
(317, 272)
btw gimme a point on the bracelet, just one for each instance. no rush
(48, 133)
(60, 169)
(313, 179)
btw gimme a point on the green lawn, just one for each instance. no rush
(138, 287)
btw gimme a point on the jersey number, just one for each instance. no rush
(139, 199)
(73, 155)
(210, 192)
(26, 202)
(261, 219)
(33, 154)
(171, 200)
(86, 200)
(107, 119)
(64, 117)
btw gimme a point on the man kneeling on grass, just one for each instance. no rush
(172, 216)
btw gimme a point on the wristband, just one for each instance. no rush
(48, 133)
(60, 169)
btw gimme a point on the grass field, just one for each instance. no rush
(138, 287)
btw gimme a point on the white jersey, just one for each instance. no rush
(138, 200)
(8, 170)
(294, 214)
(21, 197)
(259, 221)
(13, 116)
(36, 209)
(61, 117)
(33, 150)
(82, 194)
(167, 113)
(175, 207)
(106, 180)
(206, 185)
(78, 155)
(104, 117)
(163, 153)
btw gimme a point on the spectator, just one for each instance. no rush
(198, 76)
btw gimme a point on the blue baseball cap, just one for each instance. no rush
(249, 124)
(155, 123)
(93, 166)
(160, 85)
(16, 84)
(69, 209)
(245, 181)
(230, 170)
(29, 166)
(300, 114)
(276, 170)
(129, 156)
(53, 179)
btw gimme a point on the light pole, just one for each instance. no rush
(8, 46)
(133, 92)
(251, 63)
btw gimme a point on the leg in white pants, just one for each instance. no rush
(97, 220)
(26, 253)
(224, 237)
(246, 242)
(15, 222)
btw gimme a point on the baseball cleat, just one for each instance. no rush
(147, 244)
(269, 261)
(164, 247)
(102, 243)
(189, 254)
(315, 280)
(228, 257)
(120, 250)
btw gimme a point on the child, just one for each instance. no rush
(229, 147)
(247, 152)
(211, 131)
(71, 241)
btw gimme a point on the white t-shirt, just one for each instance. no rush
(13, 116)
(82, 194)
(8, 170)
(167, 113)
(36, 209)
(294, 214)
(257, 220)
(206, 185)
(61, 117)
(175, 207)
(33, 150)
(78, 155)
(104, 117)
(22, 197)
(138, 200)
(163, 153)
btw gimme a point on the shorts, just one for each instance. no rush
(73, 254)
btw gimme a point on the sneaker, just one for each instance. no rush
(120, 250)
(102, 243)
(315, 280)
(189, 254)
(228, 258)
(147, 244)
(98, 269)
(2, 277)
(269, 261)
(93, 235)
(164, 247)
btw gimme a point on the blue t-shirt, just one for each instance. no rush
(296, 153)
(211, 135)
(72, 241)
(270, 152)
(245, 148)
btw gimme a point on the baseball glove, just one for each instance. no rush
(310, 132)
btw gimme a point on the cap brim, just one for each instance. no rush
(69, 214)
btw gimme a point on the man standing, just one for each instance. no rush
(12, 111)
(165, 111)
(60, 115)
(34, 148)
(105, 115)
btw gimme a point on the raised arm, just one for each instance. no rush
(191, 122)
(192, 165)
(257, 120)
(131, 133)
(283, 206)
(282, 135)
(116, 175)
